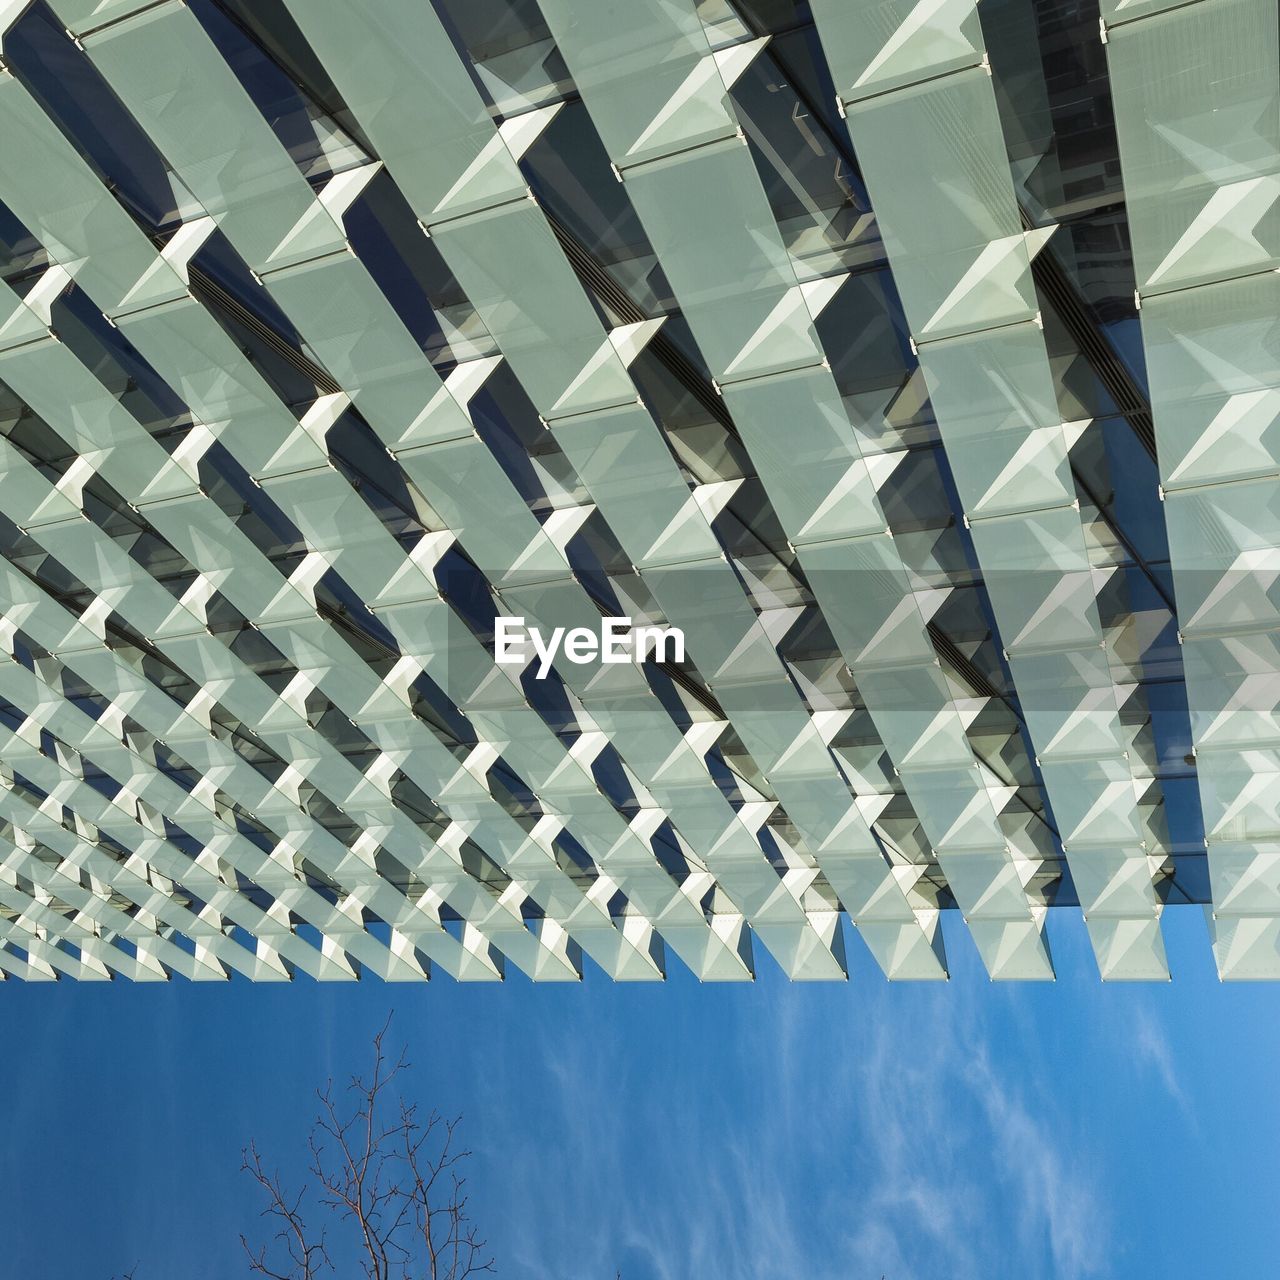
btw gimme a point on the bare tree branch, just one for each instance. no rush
(305, 1255)
(388, 1178)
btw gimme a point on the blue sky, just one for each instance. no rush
(830, 1132)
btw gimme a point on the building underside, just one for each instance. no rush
(919, 361)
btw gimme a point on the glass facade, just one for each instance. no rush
(917, 363)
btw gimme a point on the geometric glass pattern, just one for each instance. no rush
(916, 364)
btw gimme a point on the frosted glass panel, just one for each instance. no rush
(731, 275)
(1200, 148)
(948, 218)
(874, 46)
(993, 396)
(646, 73)
(1214, 360)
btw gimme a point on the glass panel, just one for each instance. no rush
(949, 219)
(1215, 374)
(876, 47)
(646, 72)
(1039, 579)
(732, 276)
(815, 477)
(527, 295)
(170, 77)
(509, 50)
(315, 141)
(993, 396)
(53, 191)
(1200, 145)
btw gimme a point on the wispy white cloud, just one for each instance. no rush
(964, 1168)
(1052, 1188)
(882, 1132)
(1151, 1049)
